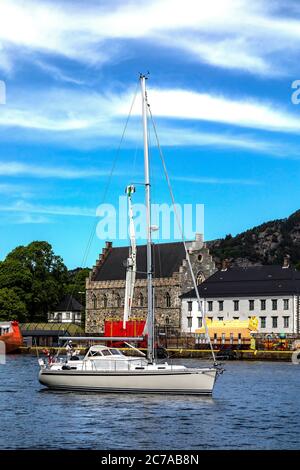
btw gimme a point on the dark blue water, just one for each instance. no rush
(255, 406)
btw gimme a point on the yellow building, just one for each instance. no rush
(228, 332)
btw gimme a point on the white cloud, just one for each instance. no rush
(28, 208)
(23, 169)
(215, 181)
(234, 34)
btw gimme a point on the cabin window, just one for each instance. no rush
(190, 306)
(263, 304)
(221, 305)
(274, 304)
(104, 300)
(285, 304)
(251, 304)
(106, 352)
(168, 300)
(286, 322)
(274, 322)
(115, 352)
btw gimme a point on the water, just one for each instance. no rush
(255, 406)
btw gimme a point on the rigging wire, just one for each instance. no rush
(182, 235)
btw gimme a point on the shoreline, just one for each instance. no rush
(174, 353)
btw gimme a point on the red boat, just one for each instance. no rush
(11, 335)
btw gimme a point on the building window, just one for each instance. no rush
(118, 300)
(200, 278)
(274, 304)
(286, 322)
(223, 338)
(155, 301)
(274, 322)
(190, 306)
(210, 318)
(168, 300)
(190, 322)
(263, 322)
(231, 338)
(236, 318)
(141, 300)
(236, 305)
(220, 318)
(167, 320)
(94, 300)
(251, 304)
(285, 304)
(200, 323)
(67, 315)
(210, 305)
(51, 316)
(221, 305)
(104, 301)
(263, 304)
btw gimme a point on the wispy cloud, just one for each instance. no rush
(216, 181)
(35, 171)
(234, 34)
(28, 208)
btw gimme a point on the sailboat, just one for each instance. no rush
(107, 369)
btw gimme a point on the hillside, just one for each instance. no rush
(265, 244)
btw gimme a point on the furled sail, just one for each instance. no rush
(131, 260)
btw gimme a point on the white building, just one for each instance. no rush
(271, 293)
(69, 310)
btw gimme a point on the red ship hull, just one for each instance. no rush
(12, 338)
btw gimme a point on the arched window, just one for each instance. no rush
(94, 301)
(167, 320)
(200, 278)
(118, 300)
(104, 300)
(141, 300)
(168, 300)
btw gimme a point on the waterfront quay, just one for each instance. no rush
(177, 353)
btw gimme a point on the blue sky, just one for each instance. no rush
(219, 88)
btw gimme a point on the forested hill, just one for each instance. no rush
(267, 243)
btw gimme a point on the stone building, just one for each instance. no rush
(105, 287)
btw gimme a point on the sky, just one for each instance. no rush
(221, 79)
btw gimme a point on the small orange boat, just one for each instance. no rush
(11, 335)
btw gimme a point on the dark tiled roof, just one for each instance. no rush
(167, 258)
(254, 280)
(68, 303)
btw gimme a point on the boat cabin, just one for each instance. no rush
(103, 352)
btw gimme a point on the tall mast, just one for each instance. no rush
(150, 317)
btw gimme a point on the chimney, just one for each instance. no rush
(225, 264)
(286, 261)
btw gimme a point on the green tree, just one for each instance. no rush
(11, 306)
(36, 275)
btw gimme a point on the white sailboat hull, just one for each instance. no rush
(187, 381)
